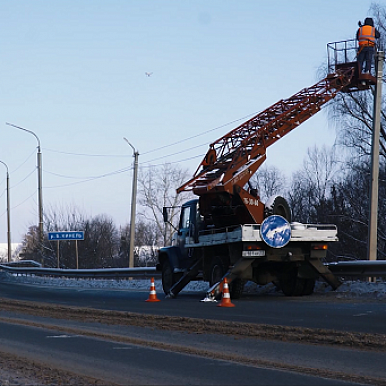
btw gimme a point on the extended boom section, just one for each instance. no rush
(232, 160)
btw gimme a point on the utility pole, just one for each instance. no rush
(373, 210)
(8, 217)
(40, 191)
(40, 195)
(133, 205)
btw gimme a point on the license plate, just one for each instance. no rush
(253, 253)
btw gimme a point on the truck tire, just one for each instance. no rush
(296, 286)
(309, 285)
(168, 277)
(279, 206)
(236, 288)
(216, 273)
(291, 284)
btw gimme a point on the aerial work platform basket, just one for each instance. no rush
(342, 56)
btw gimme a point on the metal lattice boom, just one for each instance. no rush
(232, 158)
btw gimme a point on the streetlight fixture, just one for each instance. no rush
(40, 193)
(133, 203)
(8, 217)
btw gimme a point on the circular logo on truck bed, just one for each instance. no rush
(275, 231)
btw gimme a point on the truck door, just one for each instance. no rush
(186, 227)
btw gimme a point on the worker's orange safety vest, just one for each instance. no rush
(366, 36)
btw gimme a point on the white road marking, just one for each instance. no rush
(62, 336)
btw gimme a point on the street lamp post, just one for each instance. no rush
(8, 217)
(40, 192)
(133, 204)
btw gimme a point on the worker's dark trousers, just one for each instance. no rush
(366, 55)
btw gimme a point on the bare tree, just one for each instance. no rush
(98, 249)
(157, 189)
(31, 244)
(269, 181)
(320, 168)
(300, 197)
(101, 242)
(311, 186)
(146, 235)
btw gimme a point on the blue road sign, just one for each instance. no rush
(275, 231)
(70, 235)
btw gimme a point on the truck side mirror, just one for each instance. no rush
(165, 214)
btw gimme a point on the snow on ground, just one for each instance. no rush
(348, 290)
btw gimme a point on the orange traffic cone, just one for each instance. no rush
(153, 294)
(226, 297)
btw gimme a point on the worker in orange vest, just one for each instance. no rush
(366, 36)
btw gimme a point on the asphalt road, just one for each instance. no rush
(314, 311)
(132, 364)
(106, 352)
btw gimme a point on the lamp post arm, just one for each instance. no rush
(28, 131)
(130, 144)
(1, 162)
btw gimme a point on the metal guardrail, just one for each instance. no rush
(103, 273)
(361, 268)
(23, 263)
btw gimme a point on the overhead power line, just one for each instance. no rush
(149, 163)
(85, 154)
(158, 148)
(200, 134)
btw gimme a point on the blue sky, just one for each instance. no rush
(73, 72)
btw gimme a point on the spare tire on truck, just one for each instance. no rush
(279, 206)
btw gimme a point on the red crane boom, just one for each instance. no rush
(232, 160)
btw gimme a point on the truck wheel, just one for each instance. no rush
(236, 288)
(291, 284)
(216, 273)
(309, 285)
(279, 206)
(168, 278)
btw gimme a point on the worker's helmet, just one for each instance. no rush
(369, 21)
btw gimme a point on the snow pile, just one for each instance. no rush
(348, 290)
(360, 289)
(119, 284)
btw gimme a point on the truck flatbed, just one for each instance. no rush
(251, 233)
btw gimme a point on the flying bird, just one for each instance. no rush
(148, 73)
